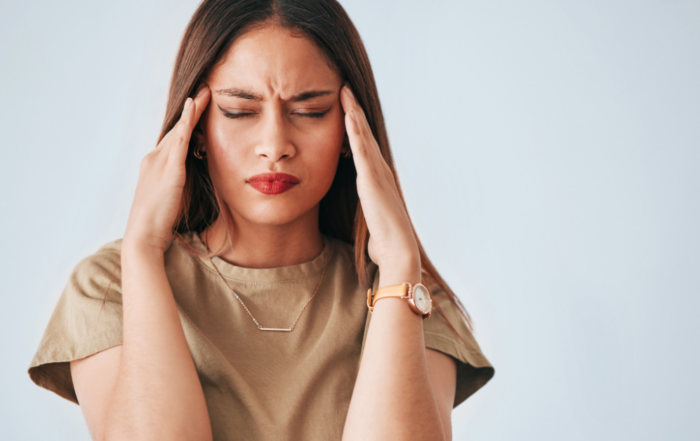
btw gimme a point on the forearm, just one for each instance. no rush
(158, 394)
(393, 398)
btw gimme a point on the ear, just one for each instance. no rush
(198, 136)
(345, 149)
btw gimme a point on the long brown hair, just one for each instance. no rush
(214, 27)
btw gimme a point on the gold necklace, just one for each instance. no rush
(291, 328)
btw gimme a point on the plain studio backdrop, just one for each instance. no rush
(548, 150)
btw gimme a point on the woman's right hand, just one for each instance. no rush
(161, 182)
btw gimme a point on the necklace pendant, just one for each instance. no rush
(240, 300)
(276, 329)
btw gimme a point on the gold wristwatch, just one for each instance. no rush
(419, 298)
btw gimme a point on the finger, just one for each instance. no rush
(201, 100)
(178, 135)
(367, 142)
(356, 137)
(174, 135)
(192, 110)
(357, 145)
(183, 130)
(363, 125)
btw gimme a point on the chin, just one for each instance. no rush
(273, 212)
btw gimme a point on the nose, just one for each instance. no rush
(275, 143)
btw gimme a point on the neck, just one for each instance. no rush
(266, 246)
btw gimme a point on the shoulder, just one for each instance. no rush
(86, 319)
(107, 254)
(103, 267)
(95, 272)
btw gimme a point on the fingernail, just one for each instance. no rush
(352, 115)
(349, 92)
(188, 103)
(201, 90)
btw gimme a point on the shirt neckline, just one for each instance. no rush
(312, 268)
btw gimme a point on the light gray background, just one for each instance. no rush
(549, 153)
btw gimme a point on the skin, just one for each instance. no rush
(127, 392)
(277, 131)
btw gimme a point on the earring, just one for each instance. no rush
(198, 152)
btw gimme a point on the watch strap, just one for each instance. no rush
(398, 291)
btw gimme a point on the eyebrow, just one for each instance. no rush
(247, 95)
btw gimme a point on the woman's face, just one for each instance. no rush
(275, 108)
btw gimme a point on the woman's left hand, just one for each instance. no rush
(392, 243)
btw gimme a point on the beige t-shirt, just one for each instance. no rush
(258, 385)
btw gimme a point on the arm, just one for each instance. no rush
(443, 378)
(94, 378)
(144, 387)
(390, 401)
(151, 388)
(394, 396)
(157, 394)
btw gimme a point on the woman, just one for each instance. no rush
(236, 305)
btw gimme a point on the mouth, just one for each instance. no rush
(273, 183)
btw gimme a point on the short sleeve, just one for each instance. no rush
(87, 319)
(473, 369)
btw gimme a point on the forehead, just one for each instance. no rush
(274, 61)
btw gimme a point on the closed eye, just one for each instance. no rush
(234, 115)
(313, 114)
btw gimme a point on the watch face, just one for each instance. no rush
(421, 298)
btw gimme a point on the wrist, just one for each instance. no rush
(141, 249)
(400, 271)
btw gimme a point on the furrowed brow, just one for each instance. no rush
(239, 93)
(309, 94)
(247, 95)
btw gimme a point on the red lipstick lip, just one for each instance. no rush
(274, 177)
(273, 183)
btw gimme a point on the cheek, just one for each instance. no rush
(225, 150)
(321, 150)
